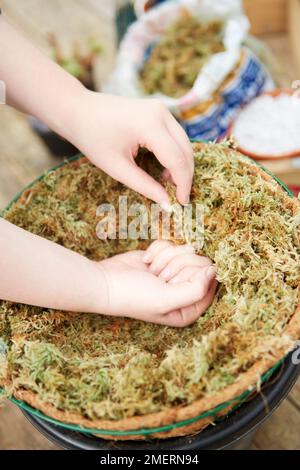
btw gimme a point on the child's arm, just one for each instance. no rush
(108, 129)
(38, 272)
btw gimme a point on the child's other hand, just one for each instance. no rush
(170, 261)
(176, 264)
(109, 130)
(175, 299)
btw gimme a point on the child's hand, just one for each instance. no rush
(177, 299)
(110, 129)
(136, 284)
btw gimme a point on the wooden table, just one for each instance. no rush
(23, 157)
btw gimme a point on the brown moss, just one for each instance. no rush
(177, 59)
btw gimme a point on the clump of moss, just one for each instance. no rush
(112, 368)
(175, 62)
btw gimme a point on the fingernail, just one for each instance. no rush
(165, 274)
(166, 206)
(147, 257)
(211, 272)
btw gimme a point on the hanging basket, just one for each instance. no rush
(128, 380)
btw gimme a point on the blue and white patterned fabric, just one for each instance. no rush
(250, 80)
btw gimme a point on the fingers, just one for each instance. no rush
(186, 273)
(171, 156)
(185, 291)
(167, 176)
(130, 174)
(182, 261)
(188, 293)
(181, 138)
(155, 248)
(166, 260)
(188, 315)
(166, 255)
(133, 259)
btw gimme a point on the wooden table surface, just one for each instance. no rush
(23, 157)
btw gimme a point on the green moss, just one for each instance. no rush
(113, 368)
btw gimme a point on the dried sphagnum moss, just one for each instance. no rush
(175, 62)
(114, 368)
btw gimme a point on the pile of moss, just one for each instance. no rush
(115, 368)
(175, 62)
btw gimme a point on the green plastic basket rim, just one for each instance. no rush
(213, 412)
